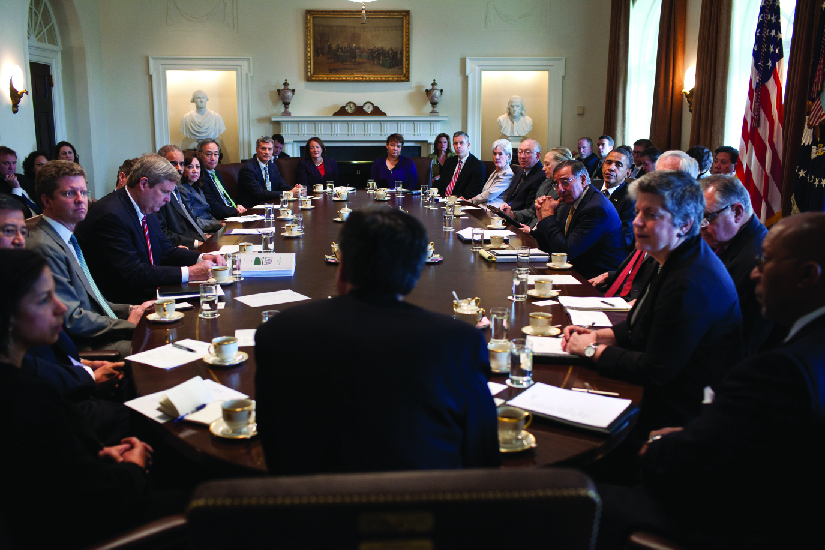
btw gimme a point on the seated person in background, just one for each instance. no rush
(123, 172)
(587, 156)
(582, 223)
(522, 192)
(648, 158)
(554, 156)
(724, 161)
(91, 321)
(734, 232)
(176, 221)
(214, 189)
(259, 181)
(638, 167)
(615, 170)
(13, 229)
(412, 407)
(678, 160)
(704, 159)
(126, 251)
(743, 473)
(66, 151)
(191, 190)
(63, 457)
(316, 167)
(31, 166)
(441, 152)
(684, 332)
(499, 180)
(278, 147)
(16, 185)
(395, 167)
(463, 174)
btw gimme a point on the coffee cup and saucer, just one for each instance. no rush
(559, 261)
(512, 435)
(544, 289)
(165, 312)
(222, 275)
(306, 203)
(540, 325)
(238, 420)
(291, 231)
(496, 223)
(382, 194)
(224, 352)
(432, 257)
(497, 242)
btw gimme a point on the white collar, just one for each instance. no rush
(806, 319)
(137, 208)
(59, 228)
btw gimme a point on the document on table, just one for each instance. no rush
(495, 387)
(614, 303)
(148, 404)
(578, 408)
(542, 345)
(585, 318)
(246, 218)
(245, 336)
(271, 298)
(467, 233)
(250, 231)
(168, 356)
(557, 279)
(233, 248)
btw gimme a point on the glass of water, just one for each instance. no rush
(498, 323)
(448, 220)
(399, 187)
(233, 260)
(330, 186)
(298, 220)
(478, 239)
(269, 314)
(209, 301)
(523, 257)
(425, 190)
(268, 242)
(521, 364)
(519, 285)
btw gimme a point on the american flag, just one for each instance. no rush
(760, 153)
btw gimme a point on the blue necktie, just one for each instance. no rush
(98, 296)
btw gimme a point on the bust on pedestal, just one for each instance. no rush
(515, 122)
(200, 123)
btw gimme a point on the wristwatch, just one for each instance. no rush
(590, 350)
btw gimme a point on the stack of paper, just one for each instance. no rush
(615, 303)
(185, 398)
(466, 234)
(268, 264)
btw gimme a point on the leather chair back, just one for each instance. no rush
(31, 222)
(427, 509)
(424, 168)
(230, 177)
(288, 167)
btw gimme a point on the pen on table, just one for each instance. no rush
(611, 393)
(606, 303)
(181, 417)
(184, 348)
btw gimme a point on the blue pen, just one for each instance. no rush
(181, 417)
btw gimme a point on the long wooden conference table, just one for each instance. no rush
(461, 270)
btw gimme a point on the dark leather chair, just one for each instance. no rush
(230, 177)
(483, 508)
(287, 168)
(641, 540)
(169, 533)
(424, 167)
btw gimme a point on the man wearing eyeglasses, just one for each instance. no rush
(736, 234)
(91, 321)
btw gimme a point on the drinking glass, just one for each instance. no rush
(478, 239)
(302, 192)
(269, 213)
(523, 257)
(425, 190)
(448, 220)
(233, 260)
(498, 323)
(391, 186)
(370, 186)
(519, 285)
(330, 186)
(284, 202)
(268, 242)
(298, 220)
(521, 364)
(399, 187)
(269, 314)
(209, 301)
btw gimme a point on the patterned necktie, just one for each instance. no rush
(569, 217)
(148, 242)
(95, 291)
(606, 193)
(515, 189)
(266, 178)
(621, 286)
(450, 187)
(227, 200)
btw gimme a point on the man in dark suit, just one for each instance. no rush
(278, 147)
(747, 472)
(176, 221)
(462, 175)
(587, 156)
(126, 251)
(615, 170)
(521, 194)
(582, 223)
(214, 189)
(259, 181)
(419, 402)
(16, 185)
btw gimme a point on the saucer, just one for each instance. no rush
(287, 218)
(331, 259)
(434, 259)
(231, 280)
(551, 265)
(155, 318)
(310, 207)
(551, 331)
(220, 429)
(292, 199)
(503, 226)
(502, 247)
(525, 441)
(535, 294)
(339, 220)
(384, 199)
(340, 200)
(239, 358)
(292, 235)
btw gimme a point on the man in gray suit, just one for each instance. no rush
(91, 321)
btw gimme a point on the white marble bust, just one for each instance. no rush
(515, 122)
(201, 123)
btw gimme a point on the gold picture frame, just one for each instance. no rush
(343, 49)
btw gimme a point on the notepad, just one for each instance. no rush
(614, 303)
(188, 395)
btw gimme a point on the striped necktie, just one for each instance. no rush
(95, 291)
(268, 183)
(148, 241)
(227, 200)
(450, 187)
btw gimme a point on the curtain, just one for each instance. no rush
(615, 104)
(806, 20)
(666, 122)
(713, 58)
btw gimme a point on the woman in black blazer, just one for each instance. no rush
(315, 167)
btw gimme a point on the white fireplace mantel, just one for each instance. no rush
(358, 130)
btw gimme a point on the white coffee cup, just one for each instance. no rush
(291, 228)
(344, 213)
(559, 258)
(451, 199)
(238, 414)
(245, 248)
(220, 273)
(457, 210)
(496, 241)
(511, 422)
(340, 193)
(544, 287)
(288, 195)
(224, 348)
(319, 187)
(467, 310)
(306, 202)
(285, 212)
(164, 307)
(540, 322)
(381, 193)
(497, 222)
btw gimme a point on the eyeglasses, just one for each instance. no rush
(564, 182)
(10, 231)
(761, 261)
(72, 193)
(710, 216)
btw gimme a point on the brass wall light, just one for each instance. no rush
(689, 87)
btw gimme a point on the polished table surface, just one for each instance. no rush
(461, 270)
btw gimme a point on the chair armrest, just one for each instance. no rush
(641, 540)
(100, 355)
(170, 532)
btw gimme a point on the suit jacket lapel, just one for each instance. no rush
(136, 224)
(64, 246)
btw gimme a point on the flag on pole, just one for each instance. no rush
(760, 152)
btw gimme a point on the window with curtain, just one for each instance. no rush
(641, 69)
(744, 17)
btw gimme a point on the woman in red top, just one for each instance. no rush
(316, 167)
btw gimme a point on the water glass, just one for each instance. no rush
(330, 186)
(298, 220)
(209, 301)
(269, 314)
(521, 364)
(233, 260)
(370, 186)
(425, 190)
(399, 187)
(302, 192)
(523, 257)
(268, 242)
(448, 220)
(519, 285)
(269, 213)
(498, 323)
(478, 239)
(284, 202)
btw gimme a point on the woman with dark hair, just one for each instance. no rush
(68, 489)
(33, 163)
(441, 152)
(387, 171)
(316, 167)
(192, 193)
(684, 331)
(66, 151)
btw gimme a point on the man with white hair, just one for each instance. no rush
(678, 160)
(201, 122)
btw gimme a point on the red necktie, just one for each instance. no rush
(450, 187)
(148, 242)
(625, 278)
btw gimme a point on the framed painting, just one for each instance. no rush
(342, 47)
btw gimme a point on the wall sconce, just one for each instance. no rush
(363, 10)
(15, 96)
(690, 86)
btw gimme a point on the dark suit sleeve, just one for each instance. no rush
(175, 238)
(477, 178)
(169, 253)
(587, 228)
(479, 448)
(66, 378)
(216, 205)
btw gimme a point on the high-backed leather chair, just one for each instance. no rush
(230, 177)
(481, 508)
(424, 168)
(287, 168)
(168, 533)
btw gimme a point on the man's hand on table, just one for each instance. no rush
(240, 208)
(106, 372)
(599, 279)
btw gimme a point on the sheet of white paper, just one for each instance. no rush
(513, 252)
(557, 279)
(545, 303)
(189, 395)
(245, 336)
(271, 298)
(495, 387)
(584, 318)
(246, 218)
(582, 407)
(498, 401)
(168, 356)
(243, 231)
(546, 346)
(467, 233)
(614, 303)
(148, 404)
